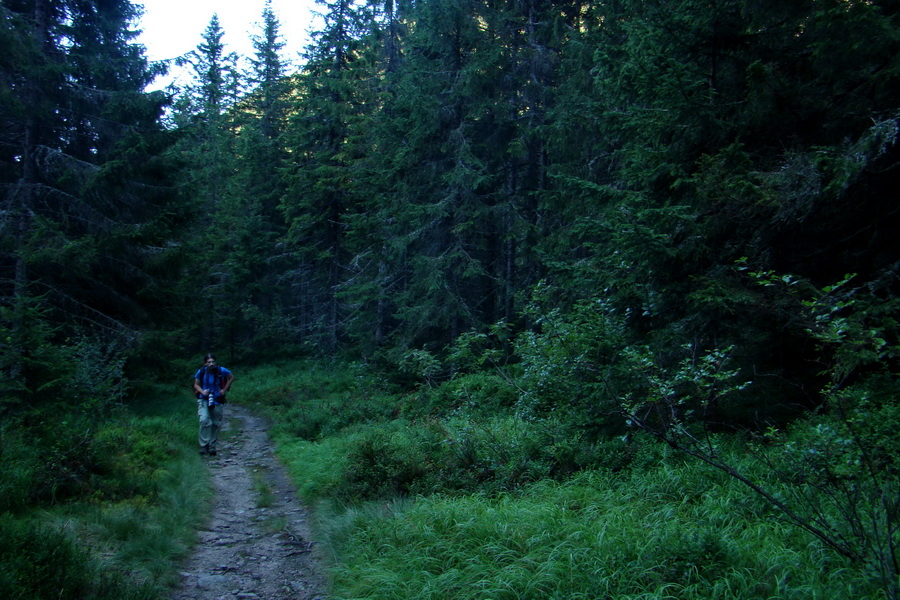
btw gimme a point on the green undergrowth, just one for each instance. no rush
(310, 400)
(593, 536)
(107, 508)
(445, 493)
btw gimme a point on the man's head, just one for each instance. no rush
(210, 362)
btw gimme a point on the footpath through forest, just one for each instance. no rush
(257, 542)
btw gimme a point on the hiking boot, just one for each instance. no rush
(212, 452)
(204, 450)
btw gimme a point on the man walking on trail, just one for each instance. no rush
(211, 383)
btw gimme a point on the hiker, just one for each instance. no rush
(211, 383)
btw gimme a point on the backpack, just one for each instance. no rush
(221, 381)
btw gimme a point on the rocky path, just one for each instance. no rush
(257, 542)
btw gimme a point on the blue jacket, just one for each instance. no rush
(211, 382)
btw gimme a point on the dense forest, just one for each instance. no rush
(637, 220)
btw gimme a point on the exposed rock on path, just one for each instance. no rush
(257, 543)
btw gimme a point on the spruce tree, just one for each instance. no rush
(330, 99)
(207, 148)
(250, 219)
(84, 190)
(722, 121)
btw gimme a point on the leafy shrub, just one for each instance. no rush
(595, 535)
(72, 458)
(505, 452)
(688, 556)
(68, 462)
(128, 455)
(474, 394)
(308, 400)
(390, 461)
(835, 473)
(98, 379)
(842, 467)
(461, 455)
(287, 384)
(570, 365)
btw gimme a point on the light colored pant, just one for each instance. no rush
(210, 421)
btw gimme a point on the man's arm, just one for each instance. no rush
(228, 379)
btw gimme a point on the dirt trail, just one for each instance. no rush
(257, 542)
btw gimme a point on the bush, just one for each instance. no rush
(504, 452)
(128, 455)
(79, 460)
(69, 465)
(473, 394)
(571, 365)
(395, 460)
(309, 400)
(462, 455)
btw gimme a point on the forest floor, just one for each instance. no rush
(256, 544)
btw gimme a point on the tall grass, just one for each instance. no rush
(592, 537)
(315, 468)
(311, 400)
(42, 561)
(434, 496)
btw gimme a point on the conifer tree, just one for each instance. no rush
(268, 75)
(373, 264)
(86, 213)
(435, 203)
(251, 221)
(207, 148)
(330, 100)
(715, 112)
(450, 201)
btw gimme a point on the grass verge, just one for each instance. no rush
(473, 504)
(132, 505)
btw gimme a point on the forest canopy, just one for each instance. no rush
(433, 164)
